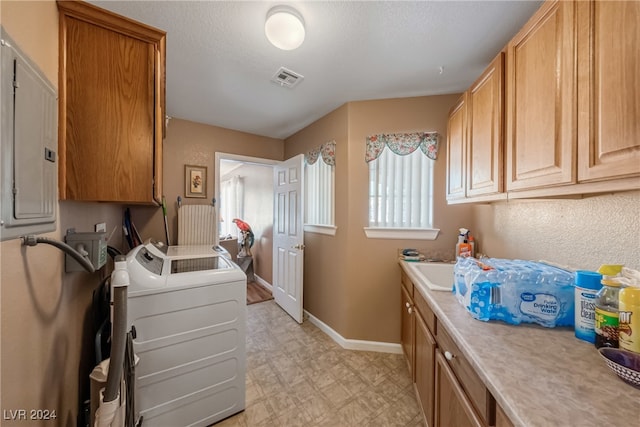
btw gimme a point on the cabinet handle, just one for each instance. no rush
(410, 310)
(448, 355)
(406, 304)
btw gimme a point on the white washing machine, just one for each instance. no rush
(188, 307)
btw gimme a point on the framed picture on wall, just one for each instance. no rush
(195, 180)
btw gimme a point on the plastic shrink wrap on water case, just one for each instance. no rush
(515, 291)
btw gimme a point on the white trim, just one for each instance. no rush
(402, 233)
(380, 347)
(329, 230)
(263, 282)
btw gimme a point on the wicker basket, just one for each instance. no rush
(624, 363)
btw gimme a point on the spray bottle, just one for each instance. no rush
(463, 247)
(629, 314)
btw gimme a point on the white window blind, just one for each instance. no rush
(319, 194)
(401, 190)
(231, 205)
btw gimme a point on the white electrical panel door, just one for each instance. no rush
(29, 145)
(34, 148)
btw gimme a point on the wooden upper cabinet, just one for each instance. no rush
(111, 106)
(541, 108)
(608, 90)
(476, 139)
(456, 143)
(485, 113)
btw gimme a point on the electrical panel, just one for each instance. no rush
(28, 147)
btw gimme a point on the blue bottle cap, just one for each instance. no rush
(588, 279)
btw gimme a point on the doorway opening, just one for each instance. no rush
(244, 190)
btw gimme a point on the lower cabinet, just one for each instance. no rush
(407, 327)
(452, 408)
(501, 418)
(425, 354)
(447, 388)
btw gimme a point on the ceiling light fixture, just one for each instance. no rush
(284, 27)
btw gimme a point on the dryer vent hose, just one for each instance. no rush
(118, 344)
(119, 284)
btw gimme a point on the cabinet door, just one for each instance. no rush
(501, 418)
(541, 140)
(608, 95)
(425, 352)
(456, 129)
(452, 408)
(485, 131)
(110, 127)
(407, 329)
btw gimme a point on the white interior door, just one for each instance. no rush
(288, 235)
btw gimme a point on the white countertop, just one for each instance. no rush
(539, 376)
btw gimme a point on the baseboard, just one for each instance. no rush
(380, 347)
(263, 282)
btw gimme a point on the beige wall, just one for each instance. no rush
(191, 143)
(351, 282)
(581, 233)
(325, 257)
(46, 352)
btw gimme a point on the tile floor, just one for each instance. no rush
(298, 376)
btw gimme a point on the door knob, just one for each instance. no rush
(301, 247)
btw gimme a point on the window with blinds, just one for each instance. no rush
(319, 194)
(401, 190)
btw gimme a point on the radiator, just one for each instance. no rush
(197, 225)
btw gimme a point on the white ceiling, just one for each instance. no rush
(219, 62)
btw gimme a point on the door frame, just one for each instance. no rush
(238, 158)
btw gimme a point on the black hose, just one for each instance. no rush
(32, 240)
(113, 252)
(130, 381)
(118, 343)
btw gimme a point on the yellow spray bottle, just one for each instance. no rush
(629, 311)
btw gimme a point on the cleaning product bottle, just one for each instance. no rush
(472, 242)
(587, 286)
(629, 314)
(463, 248)
(607, 301)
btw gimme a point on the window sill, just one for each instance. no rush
(402, 233)
(329, 230)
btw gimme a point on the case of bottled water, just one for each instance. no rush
(515, 291)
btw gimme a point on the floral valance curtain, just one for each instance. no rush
(327, 151)
(402, 144)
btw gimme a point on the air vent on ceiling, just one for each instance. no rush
(286, 77)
